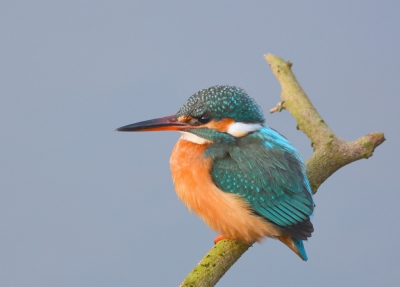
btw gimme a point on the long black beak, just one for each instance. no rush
(161, 124)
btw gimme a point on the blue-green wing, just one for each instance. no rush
(265, 169)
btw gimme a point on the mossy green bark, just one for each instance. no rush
(330, 154)
(215, 263)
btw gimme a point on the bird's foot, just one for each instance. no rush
(219, 238)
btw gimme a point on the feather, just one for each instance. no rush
(266, 171)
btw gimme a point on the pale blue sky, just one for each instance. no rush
(83, 205)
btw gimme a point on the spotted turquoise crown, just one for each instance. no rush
(220, 102)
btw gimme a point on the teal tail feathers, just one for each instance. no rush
(300, 247)
(295, 244)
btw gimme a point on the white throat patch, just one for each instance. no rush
(194, 138)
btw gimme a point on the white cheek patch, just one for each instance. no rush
(235, 129)
(194, 138)
(241, 129)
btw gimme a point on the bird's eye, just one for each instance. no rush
(203, 119)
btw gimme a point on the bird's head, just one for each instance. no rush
(216, 114)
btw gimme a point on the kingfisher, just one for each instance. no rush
(243, 178)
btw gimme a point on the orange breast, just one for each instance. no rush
(226, 213)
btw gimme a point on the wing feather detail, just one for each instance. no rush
(266, 170)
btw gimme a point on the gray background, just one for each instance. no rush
(83, 205)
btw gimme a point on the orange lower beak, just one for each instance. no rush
(161, 124)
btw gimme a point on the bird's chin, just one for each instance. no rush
(188, 136)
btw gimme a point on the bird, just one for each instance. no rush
(243, 178)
